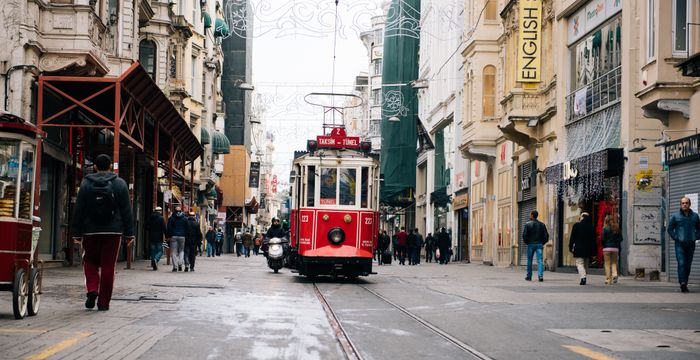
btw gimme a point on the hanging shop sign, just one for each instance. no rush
(254, 177)
(338, 139)
(529, 41)
(274, 184)
(682, 150)
(590, 17)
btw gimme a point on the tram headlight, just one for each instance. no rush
(336, 236)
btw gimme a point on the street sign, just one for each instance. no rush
(338, 139)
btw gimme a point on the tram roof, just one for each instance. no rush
(349, 157)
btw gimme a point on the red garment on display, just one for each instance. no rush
(604, 208)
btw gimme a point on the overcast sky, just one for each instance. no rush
(293, 56)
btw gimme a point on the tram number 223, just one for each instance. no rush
(368, 221)
(305, 218)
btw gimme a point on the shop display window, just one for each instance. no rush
(597, 54)
(26, 182)
(9, 172)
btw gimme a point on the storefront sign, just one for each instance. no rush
(569, 171)
(460, 201)
(529, 41)
(274, 184)
(683, 150)
(254, 176)
(338, 139)
(525, 183)
(590, 17)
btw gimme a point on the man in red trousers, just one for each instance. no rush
(102, 216)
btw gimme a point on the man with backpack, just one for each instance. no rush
(102, 216)
(177, 232)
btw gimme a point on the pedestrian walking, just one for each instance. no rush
(535, 235)
(247, 243)
(383, 246)
(210, 237)
(684, 229)
(102, 216)
(177, 232)
(410, 246)
(611, 239)
(418, 246)
(582, 245)
(402, 241)
(192, 241)
(257, 243)
(429, 247)
(219, 241)
(444, 244)
(155, 228)
(238, 243)
(395, 244)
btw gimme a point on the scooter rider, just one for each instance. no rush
(275, 230)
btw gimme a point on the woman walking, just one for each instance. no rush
(611, 239)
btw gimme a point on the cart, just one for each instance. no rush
(20, 272)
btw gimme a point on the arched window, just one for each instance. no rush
(491, 12)
(489, 91)
(147, 56)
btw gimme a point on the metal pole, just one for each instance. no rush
(155, 162)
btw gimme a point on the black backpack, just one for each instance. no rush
(101, 202)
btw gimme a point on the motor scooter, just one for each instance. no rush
(276, 253)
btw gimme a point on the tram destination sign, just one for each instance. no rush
(682, 150)
(338, 139)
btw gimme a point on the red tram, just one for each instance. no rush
(335, 199)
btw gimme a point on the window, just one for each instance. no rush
(597, 54)
(364, 191)
(173, 61)
(490, 13)
(376, 97)
(680, 24)
(348, 186)
(310, 185)
(147, 57)
(194, 77)
(378, 36)
(651, 31)
(377, 67)
(329, 181)
(194, 12)
(489, 91)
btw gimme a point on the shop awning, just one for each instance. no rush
(204, 136)
(221, 29)
(207, 20)
(220, 143)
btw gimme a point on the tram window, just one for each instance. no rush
(363, 191)
(311, 185)
(9, 171)
(26, 182)
(329, 180)
(348, 186)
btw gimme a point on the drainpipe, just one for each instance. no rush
(7, 80)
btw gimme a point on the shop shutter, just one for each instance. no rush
(683, 179)
(524, 209)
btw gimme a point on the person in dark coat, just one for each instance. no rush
(247, 243)
(444, 244)
(383, 245)
(418, 239)
(583, 245)
(535, 235)
(684, 229)
(275, 231)
(429, 247)
(219, 244)
(395, 244)
(210, 236)
(402, 242)
(102, 216)
(155, 228)
(410, 246)
(192, 240)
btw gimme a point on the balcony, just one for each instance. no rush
(525, 110)
(479, 140)
(599, 94)
(180, 23)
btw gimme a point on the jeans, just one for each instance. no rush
(582, 266)
(190, 255)
(177, 247)
(156, 250)
(684, 256)
(239, 249)
(534, 249)
(210, 249)
(246, 251)
(610, 263)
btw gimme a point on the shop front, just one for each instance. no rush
(460, 205)
(683, 160)
(527, 202)
(592, 184)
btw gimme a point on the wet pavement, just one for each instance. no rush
(236, 308)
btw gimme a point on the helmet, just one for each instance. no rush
(275, 219)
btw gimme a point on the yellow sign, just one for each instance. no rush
(529, 41)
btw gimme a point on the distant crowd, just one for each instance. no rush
(408, 245)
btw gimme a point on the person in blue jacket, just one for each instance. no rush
(684, 229)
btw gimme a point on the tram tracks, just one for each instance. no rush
(351, 350)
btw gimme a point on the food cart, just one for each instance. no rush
(20, 272)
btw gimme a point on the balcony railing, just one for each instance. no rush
(597, 95)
